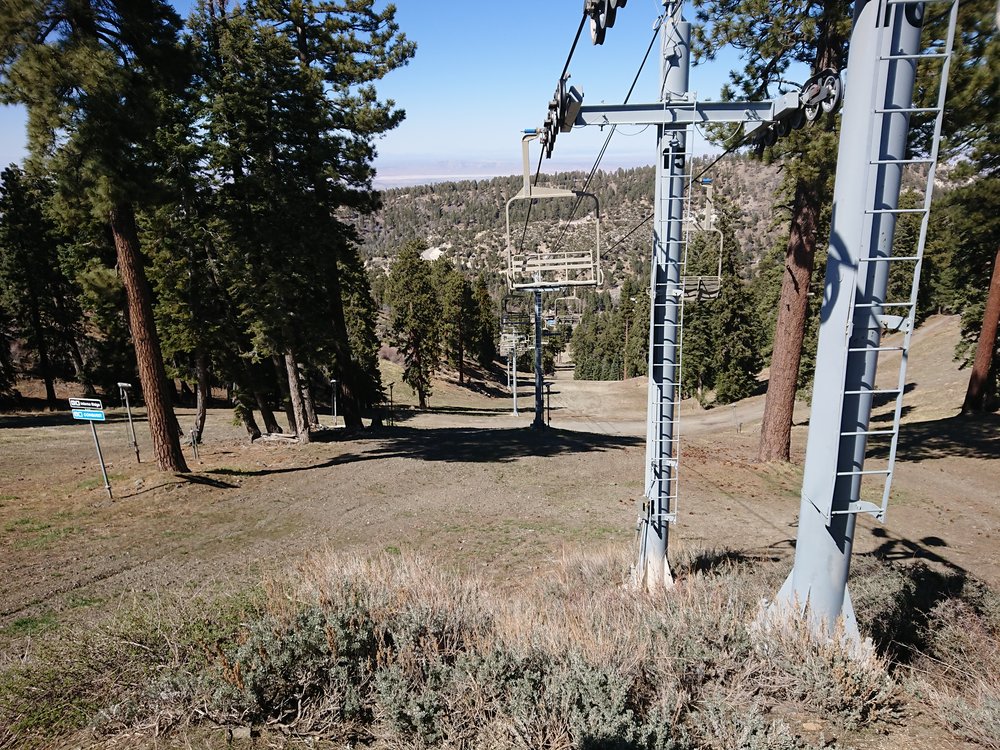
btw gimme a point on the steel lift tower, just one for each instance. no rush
(674, 114)
(885, 50)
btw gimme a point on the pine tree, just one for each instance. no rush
(456, 316)
(291, 118)
(771, 37)
(38, 295)
(414, 318)
(486, 326)
(90, 74)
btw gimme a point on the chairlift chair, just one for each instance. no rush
(572, 312)
(541, 267)
(703, 286)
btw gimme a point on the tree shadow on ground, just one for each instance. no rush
(970, 436)
(488, 445)
(462, 445)
(907, 580)
(720, 560)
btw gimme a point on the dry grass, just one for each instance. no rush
(392, 652)
(958, 675)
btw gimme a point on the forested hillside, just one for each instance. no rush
(466, 220)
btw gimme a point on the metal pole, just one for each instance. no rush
(333, 386)
(652, 568)
(392, 416)
(130, 429)
(539, 404)
(100, 457)
(513, 373)
(548, 403)
(823, 550)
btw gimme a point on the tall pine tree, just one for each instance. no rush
(414, 318)
(772, 37)
(91, 75)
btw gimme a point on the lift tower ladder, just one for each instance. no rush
(668, 290)
(873, 312)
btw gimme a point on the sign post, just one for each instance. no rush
(92, 410)
(123, 389)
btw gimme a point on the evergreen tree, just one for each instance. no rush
(456, 316)
(291, 118)
(723, 337)
(486, 325)
(38, 295)
(361, 315)
(91, 75)
(414, 318)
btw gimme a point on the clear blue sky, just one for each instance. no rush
(483, 72)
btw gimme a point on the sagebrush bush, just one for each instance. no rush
(394, 653)
(959, 673)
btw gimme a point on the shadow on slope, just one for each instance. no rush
(974, 436)
(462, 445)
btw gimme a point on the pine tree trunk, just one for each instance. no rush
(286, 399)
(295, 391)
(270, 423)
(152, 376)
(245, 413)
(976, 395)
(203, 394)
(307, 398)
(348, 403)
(776, 427)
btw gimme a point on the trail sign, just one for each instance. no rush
(92, 415)
(85, 403)
(92, 410)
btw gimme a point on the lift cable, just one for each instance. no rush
(611, 132)
(739, 142)
(633, 230)
(538, 169)
(630, 232)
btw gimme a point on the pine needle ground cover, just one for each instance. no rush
(394, 653)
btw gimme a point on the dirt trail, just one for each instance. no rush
(466, 483)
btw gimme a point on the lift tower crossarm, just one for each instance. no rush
(682, 113)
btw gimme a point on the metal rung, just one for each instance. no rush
(875, 349)
(873, 391)
(888, 258)
(897, 211)
(902, 161)
(893, 322)
(867, 432)
(668, 517)
(916, 56)
(862, 506)
(906, 110)
(863, 472)
(865, 305)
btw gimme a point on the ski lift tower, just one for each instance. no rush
(674, 114)
(840, 481)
